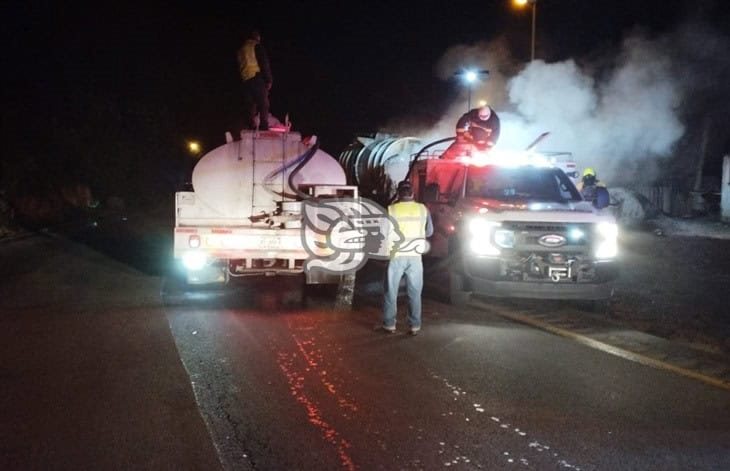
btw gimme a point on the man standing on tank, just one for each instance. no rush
(253, 64)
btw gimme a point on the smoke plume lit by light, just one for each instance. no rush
(621, 114)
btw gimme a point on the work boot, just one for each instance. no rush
(385, 330)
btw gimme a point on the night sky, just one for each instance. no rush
(340, 68)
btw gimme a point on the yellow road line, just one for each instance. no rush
(604, 347)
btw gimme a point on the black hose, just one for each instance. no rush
(281, 169)
(417, 155)
(296, 170)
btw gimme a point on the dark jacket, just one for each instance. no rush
(470, 122)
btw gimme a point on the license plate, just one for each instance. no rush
(270, 243)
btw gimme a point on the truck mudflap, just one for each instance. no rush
(570, 281)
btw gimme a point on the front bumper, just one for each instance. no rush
(594, 281)
(541, 290)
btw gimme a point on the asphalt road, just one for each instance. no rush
(290, 388)
(89, 372)
(97, 373)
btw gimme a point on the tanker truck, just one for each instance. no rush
(506, 223)
(243, 216)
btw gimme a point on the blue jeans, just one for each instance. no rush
(412, 268)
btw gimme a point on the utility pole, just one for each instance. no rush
(697, 199)
(534, 21)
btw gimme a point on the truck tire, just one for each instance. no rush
(173, 289)
(600, 307)
(459, 294)
(597, 306)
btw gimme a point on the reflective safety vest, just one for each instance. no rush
(411, 218)
(247, 62)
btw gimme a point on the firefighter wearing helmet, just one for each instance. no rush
(479, 126)
(588, 184)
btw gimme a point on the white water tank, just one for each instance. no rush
(249, 176)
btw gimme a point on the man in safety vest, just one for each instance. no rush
(414, 222)
(256, 75)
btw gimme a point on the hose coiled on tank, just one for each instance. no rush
(301, 161)
(307, 157)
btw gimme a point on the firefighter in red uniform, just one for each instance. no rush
(478, 128)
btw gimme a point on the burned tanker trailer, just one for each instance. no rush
(376, 163)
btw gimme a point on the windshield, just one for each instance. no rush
(527, 183)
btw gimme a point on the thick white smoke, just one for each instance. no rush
(616, 125)
(618, 120)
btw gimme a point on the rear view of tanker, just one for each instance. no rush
(243, 217)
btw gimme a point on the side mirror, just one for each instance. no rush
(431, 193)
(602, 199)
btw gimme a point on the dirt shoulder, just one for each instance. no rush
(676, 285)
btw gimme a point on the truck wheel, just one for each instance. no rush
(293, 297)
(601, 306)
(173, 289)
(459, 294)
(346, 292)
(596, 306)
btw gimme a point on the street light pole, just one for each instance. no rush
(533, 4)
(534, 19)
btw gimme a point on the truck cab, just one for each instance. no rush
(516, 228)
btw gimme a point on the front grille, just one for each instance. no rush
(528, 234)
(533, 227)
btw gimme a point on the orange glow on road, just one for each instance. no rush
(303, 369)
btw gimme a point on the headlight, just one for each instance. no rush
(504, 238)
(480, 226)
(607, 240)
(481, 236)
(608, 230)
(576, 234)
(483, 247)
(194, 260)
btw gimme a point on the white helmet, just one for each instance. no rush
(485, 112)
